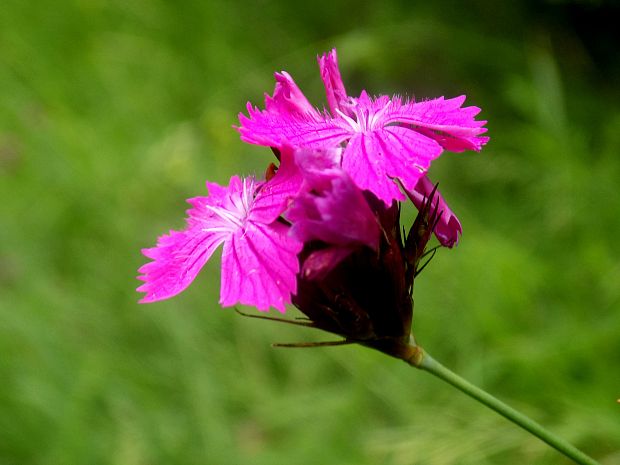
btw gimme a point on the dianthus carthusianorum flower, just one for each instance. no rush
(387, 140)
(259, 259)
(330, 205)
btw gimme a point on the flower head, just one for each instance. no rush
(387, 140)
(323, 230)
(259, 259)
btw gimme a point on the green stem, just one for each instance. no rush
(420, 359)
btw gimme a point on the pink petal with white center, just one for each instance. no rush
(179, 256)
(288, 98)
(225, 206)
(276, 129)
(448, 228)
(177, 259)
(337, 97)
(259, 262)
(203, 207)
(259, 267)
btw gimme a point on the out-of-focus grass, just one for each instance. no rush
(112, 113)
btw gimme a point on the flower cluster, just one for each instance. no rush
(322, 230)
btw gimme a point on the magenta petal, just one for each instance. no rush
(321, 262)
(259, 263)
(364, 160)
(409, 153)
(337, 97)
(331, 209)
(455, 144)
(179, 256)
(288, 98)
(177, 259)
(443, 115)
(319, 167)
(259, 267)
(375, 159)
(338, 216)
(218, 193)
(202, 212)
(318, 160)
(448, 228)
(274, 195)
(277, 129)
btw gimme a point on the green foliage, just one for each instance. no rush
(112, 113)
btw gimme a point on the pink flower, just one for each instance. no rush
(259, 259)
(387, 140)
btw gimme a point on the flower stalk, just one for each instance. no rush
(419, 358)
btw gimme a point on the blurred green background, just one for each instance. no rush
(112, 113)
